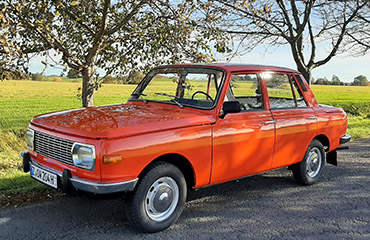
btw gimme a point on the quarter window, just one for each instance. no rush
(298, 94)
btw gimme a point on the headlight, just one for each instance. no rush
(29, 138)
(83, 155)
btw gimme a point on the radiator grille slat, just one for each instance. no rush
(53, 147)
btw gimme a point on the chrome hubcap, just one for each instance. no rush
(313, 162)
(161, 199)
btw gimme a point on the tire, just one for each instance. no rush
(158, 199)
(309, 170)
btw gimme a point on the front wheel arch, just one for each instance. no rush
(180, 162)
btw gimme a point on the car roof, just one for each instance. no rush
(233, 67)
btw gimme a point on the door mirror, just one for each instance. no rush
(230, 107)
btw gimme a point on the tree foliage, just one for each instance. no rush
(335, 80)
(73, 73)
(116, 36)
(324, 81)
(307, 26)
(360, 80)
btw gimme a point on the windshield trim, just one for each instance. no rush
(144, 82)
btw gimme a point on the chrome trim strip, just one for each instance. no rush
(268, 122)
(311, 118)
(346, 138)
(103, 188)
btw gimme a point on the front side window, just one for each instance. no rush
(246, 89)
(283, 91)
(183, 86)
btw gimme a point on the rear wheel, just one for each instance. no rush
(159, 198)
(309, 170)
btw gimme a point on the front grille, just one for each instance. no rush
(53, 147)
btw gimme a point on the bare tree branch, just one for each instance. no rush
(362, 43)
(256, 16)
(340, 37)
(287, 19)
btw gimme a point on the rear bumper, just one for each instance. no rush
(67, 180)
(345, 138)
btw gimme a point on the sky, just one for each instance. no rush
(345, 67)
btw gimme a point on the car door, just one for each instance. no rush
(243, 142)
(295, 121)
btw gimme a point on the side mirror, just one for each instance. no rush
(230, 107)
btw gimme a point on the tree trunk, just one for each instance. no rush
(307, 74)
(88, 86)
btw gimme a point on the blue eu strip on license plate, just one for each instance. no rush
(44, 176)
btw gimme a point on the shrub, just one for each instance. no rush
(109, 79)
(37, 77)
(133, 78)
(355, 109)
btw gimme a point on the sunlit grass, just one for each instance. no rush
(334, 94)
(359, 127)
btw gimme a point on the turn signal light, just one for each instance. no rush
(109, 159)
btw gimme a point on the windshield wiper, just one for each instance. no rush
(138, 95)
(172, 100)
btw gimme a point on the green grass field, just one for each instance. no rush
(21, 100)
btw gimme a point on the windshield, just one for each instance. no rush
(183, 86)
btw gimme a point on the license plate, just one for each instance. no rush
(43, 176)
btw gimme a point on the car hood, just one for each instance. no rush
(121, 120)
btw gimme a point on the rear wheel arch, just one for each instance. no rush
(309, 170)
(177, 160)
(324, 141)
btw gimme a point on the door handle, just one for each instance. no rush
(311, 118)
(268, 122)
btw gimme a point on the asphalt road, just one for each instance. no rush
(267, 206)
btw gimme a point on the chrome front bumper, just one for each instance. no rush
(99, 188)
(65, 179)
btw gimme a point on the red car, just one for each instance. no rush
(187, 126)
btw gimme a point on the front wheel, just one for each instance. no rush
(159, 198)
(308, 171)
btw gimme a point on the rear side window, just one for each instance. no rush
(283, 91)
(246, 89)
